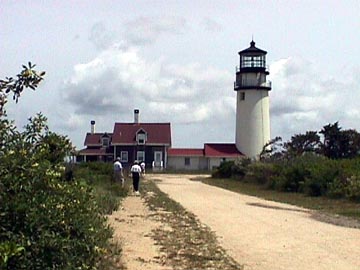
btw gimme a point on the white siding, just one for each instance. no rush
(178, 163)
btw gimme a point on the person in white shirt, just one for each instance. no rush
(136, 171)
(142, 165)
(118, 172)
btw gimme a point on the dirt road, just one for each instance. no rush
(133, 228)
(265, 235)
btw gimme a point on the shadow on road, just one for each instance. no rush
(322, 217)
(279, 207)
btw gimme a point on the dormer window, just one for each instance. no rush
(141, 138)
(105, 141)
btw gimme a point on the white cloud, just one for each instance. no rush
(303, 98)
(145, 30)
(119, 80)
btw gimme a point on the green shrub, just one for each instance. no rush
(99, 168)
(322, 174)
(99, 175)
(240, 168)
(260, 173)
(236, 169)
(349, 167)
(45, 222)
(310, 173)
(337, 188)
(224, 170)
(353, 188)
(293, 178)
(59, 227)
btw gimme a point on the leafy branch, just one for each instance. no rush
(27, 78)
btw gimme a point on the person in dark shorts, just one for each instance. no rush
(136, 171)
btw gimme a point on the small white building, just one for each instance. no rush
(203, 159)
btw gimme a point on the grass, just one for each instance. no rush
(108, 196)
(331, 206)
(185, 242)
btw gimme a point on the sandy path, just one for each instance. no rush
(265, 235)
(133, 227)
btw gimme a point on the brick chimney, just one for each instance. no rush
(136, 116)
(92, 122)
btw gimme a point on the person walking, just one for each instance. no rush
(136, 171)
(142, 165)
(118, 172)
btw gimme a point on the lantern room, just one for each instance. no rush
(252, 59)
(252, 71)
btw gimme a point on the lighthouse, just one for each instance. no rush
(252, 102)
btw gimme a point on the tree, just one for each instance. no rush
(339, 143)
(301, 143)
(272, 150)
(350, 143)
(332, 136)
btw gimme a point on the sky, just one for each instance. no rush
(175, 62)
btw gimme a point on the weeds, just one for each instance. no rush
(186, 243)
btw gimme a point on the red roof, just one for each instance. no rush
(94, 152)
(95, 138)
(210, 150)
(221, 150)
(185, 152)
(157, 133)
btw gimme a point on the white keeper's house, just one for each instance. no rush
(151, 142)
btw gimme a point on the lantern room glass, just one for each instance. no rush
(247, 61)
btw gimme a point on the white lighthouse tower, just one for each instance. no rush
(252, 105)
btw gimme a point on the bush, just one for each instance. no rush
(353, 188)
(291, 179)
(236, 169)
(349, 167)
(309, 173)
(322, 174)
(224, 170)
(106, 192)
(337, 188)
(46, 222)
(99, 168)
(240, 168)
(260, 173)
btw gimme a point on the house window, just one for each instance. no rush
(242, 95)
(105, 142)
(187, 161)
(124, 156)
(140, 156)
(141, 138)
